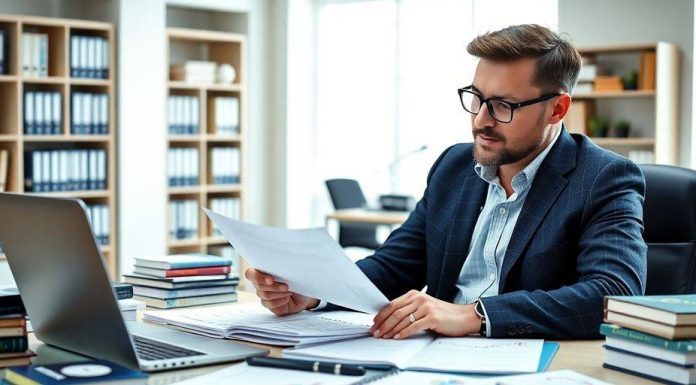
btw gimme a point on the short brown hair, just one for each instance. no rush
(557, 60)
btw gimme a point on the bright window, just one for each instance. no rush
(387, 75)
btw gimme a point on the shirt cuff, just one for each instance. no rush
(322, 304)
(488, 322)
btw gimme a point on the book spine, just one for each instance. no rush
(13, 344)
(201, 271)
(628, 334)
(194, 301)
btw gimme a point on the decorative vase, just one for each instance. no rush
(226, 74)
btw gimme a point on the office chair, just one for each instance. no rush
(347, 194)
(670, 229)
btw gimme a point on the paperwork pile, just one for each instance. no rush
(254, 323)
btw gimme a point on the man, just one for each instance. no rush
(519, 234)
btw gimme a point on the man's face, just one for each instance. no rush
(497, 143)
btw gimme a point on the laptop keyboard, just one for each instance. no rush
(149, 350)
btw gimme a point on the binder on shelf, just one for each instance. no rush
(3, 53)
(42, 113)
(646, 70)
(4, 168)
(225, 165)
(89, 57)
(35, 54)
(43, 55)
(184, 115)
(74, 56)
(226, 116)
(65, 170)
(29, 113)
(183, 214)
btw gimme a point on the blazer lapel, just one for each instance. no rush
(547, 185)
(471, 200)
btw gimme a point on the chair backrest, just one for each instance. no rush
(346, 194)
(670, 229)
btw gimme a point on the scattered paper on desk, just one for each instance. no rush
(309, 261)
(479, 355)
(421, 378)
(243, 374)
(561, 377)
(252, 322)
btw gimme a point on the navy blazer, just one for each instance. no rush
(577, 239)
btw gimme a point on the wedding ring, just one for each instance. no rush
(411, 318)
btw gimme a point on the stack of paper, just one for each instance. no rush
(252, 322)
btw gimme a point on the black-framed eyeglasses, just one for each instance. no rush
(500, 110)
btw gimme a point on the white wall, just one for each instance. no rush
(142, 135)
(593, 22)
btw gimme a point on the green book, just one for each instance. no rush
(683, 346)
(675, 310)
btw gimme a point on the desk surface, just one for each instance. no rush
(369, 216)
(581, 356)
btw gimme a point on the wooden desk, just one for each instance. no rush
(581, 356)
(373, 217)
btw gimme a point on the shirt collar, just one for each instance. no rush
(490, 174)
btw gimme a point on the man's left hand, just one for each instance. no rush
(415, 312)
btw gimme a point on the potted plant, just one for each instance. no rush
(598, 126)
(630, 80)
(622, 129)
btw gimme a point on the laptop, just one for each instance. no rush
(66, 291)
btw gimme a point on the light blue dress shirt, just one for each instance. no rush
(481, 271)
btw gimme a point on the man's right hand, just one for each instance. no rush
(276, 296)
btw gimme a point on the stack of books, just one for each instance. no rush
(14, 345)
(652, 337)
(183, 280)
(194, 71)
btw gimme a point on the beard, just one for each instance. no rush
(504, 156)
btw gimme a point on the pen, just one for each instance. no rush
(310, 366)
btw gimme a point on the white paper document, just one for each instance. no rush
(560, 377)
(252, 322)
(427, 353)
(243, 374)
(309, 261)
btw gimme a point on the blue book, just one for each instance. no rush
(182, 261)
(86, 372)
